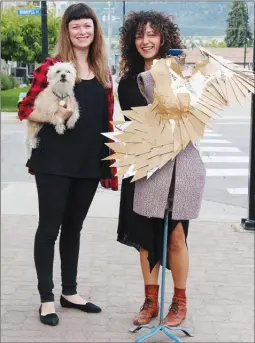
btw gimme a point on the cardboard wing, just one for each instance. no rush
(184, 104)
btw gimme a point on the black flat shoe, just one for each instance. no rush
(50, 319)
(88, 307)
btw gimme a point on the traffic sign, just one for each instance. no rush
(29, 11)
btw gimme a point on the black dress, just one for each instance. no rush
(78, 152)
(133, 229)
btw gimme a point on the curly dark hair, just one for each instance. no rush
(132, 63)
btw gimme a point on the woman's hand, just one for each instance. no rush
(63, 112)
(67, 111)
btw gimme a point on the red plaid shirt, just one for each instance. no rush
(25, 108)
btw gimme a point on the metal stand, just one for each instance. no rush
(161, 326)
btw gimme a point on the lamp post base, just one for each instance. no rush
(248, 224)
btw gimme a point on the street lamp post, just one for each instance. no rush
(44, 29)
(249, 223)
(109, 33)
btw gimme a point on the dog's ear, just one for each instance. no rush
(50, 73)
(72, 66)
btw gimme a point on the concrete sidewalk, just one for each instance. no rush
(220, 287)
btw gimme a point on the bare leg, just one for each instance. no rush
(178, 257)
(75, 298)
(179, 262)
(150, 278)
(47, 308)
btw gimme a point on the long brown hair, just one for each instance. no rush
(132, 63)
(97, 57)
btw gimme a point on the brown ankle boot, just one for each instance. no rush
(150, 307)
(177, 312)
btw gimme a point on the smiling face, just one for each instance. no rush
(147, 42)
(81, 33)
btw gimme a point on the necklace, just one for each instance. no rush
(63, 98)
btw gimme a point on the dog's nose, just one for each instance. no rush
(63, 76)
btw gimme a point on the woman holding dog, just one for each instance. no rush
(144, 37)
(68, 167)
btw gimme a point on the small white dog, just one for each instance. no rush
(61, 79)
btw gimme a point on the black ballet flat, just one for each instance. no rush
(88, 307)
(50, 319)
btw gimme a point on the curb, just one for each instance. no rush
(238, 228)
(9, 117)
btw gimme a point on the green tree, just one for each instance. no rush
(217, 44)
(22, 38)
(11, 37)
(238, 19)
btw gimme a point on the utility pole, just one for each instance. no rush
(109, 33)
(44, 29)
(249, 223)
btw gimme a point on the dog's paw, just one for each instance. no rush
(34, 143)
(60, 129)
(71, 122)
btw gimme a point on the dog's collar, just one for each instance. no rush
(60, 97)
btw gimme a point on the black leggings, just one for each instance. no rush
(64, 202)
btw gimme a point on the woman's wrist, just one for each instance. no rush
(37, 117)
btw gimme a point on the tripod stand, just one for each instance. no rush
(161, 326)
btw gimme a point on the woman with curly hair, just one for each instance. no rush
(147, 35)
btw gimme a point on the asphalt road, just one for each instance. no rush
(224, 149)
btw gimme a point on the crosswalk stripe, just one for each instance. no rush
(227, 172)
(244, 117)
(212, 134)
(233, 123)
(210, 137)
(214, 141)
(238, 191)
(218, 149)
(225, 159)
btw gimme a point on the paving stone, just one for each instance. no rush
(220, 286)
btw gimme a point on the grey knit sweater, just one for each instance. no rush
(151, 195)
